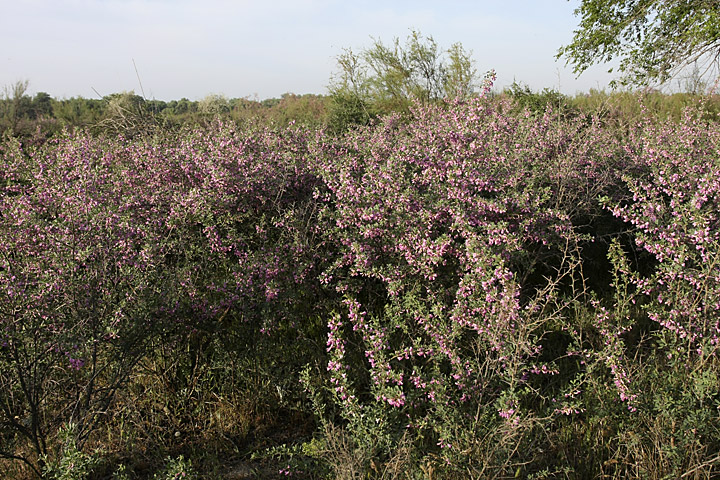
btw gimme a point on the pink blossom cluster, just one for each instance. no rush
(438, 221)
(676, 209)
(109, 244)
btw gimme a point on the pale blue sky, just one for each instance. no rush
(189, 48)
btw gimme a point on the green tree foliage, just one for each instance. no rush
(42, 105)
(182, 106)
(78, 111)
(654, 39)
(127, 113)
(24, 116)
(14, 104)
(536, 102)
(386, 78)
(213, 105)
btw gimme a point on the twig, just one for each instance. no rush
(139, 81)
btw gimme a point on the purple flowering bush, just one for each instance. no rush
(448, 226)
(676, 208)
(476, 287)
(670, 379)
(110, 245)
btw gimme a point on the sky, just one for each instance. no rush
(170, 49)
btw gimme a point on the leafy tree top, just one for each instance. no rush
(391, 75)
(654, 39)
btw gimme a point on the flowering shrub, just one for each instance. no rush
(672, 386)
(443, 223)
(676, 208)
(107, 244)
(480, 306)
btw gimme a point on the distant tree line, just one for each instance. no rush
(35, 118)
(40, 116)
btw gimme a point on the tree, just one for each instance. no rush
(383, 79)
(128, 114)
(14, 105)
(654, 39)
(213, 105)
(42, 105)
(78, 111)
